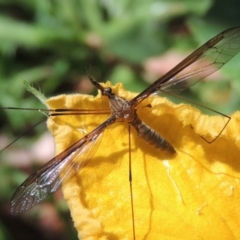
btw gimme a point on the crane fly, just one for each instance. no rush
(204, 61)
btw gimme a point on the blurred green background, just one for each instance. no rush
(50, 44)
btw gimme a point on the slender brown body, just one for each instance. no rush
(124, 111)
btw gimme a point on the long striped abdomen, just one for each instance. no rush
(150, 136)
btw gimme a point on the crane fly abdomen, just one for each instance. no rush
(151, 136)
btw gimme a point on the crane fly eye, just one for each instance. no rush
(108, 90)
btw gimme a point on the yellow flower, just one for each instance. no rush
(193, 194)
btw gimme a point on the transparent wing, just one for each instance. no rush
(59, 170)
(204, 61)
(209, 58)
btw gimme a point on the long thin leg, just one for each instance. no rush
(130, 180)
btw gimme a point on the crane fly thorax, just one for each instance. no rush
(121, 109)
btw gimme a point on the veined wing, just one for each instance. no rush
(204, 61)
(60, 169)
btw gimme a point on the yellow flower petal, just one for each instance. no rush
(193, 194)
